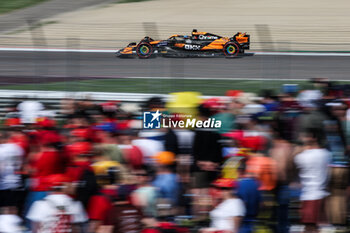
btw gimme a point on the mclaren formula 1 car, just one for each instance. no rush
(199, 44)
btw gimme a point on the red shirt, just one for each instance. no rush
(47, 163)
(76, 169)
(48, 137)
(99, 207)
(22, 141)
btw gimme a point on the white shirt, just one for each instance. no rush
(222, 216)
(149, 134)
(11, 159)
(251, 109)
(313, 173)
(185, 138)
(10, 223)
(29, 111)
(149, 148)
(44, 211)
(307, 98)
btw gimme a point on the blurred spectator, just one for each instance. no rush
(248, 191)
(111, 209)
(47, 133)
(124, 217)
(57, 212)
(171, 142)
(335, 132)
(68, 107)
(100, 204)
(41, 165)
(10, 223)
(86, 107)
(185, 140)
(313, 172)
(339, 169)
(207, 158)
(131, 153)
(145, 196)
(109, 160)
(264, 169)
(227, 118)
(206, 153)
(81, 173)
(29, 111)
(312, 115)
(108, 146)
(149, 148)
(166, 181)
(282, 152)
(269, 100)
(287, 116)
(11, 180)
(228, 214)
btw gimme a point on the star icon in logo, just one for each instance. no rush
(156, 116)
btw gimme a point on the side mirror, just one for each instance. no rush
(132, 44)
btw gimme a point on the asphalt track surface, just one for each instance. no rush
(20, 67)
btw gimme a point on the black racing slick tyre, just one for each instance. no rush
(231, 49)
(144, 50)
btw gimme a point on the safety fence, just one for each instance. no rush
(52, 99)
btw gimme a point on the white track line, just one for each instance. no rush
(216, 78)
(57, 50)
(340, 54)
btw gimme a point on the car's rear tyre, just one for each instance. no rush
(231, 49)
(144, 50)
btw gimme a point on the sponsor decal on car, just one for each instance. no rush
(203, 37)
(192, 47)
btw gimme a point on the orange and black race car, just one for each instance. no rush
(199, 44)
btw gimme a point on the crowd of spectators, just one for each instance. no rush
(278, 163)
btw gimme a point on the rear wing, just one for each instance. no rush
(243, 39)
